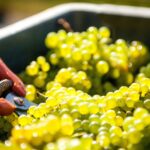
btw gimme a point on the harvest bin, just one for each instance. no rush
(24, 41)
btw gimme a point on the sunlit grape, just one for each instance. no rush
(102, 67)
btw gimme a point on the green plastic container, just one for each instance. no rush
(24, 41)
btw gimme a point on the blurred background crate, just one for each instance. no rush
(14, 10)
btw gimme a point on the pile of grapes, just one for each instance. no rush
(92, 93)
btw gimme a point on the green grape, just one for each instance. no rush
(45, 67)
(77, 124)
(102, 67)
(30, 96)
(54, 59)
(144, 90)
(83, 108)
(50, 146)
(115, 139)
(76, 55)
(43, 74)
(135, 87)
(95, 146)
(128, 123)
(121, 113)
(147, 103)
(146, 119)
(51, 101)
(134, 95)
(86, 55)
(75, 113)
(115, 73)
(129, 102)
(51, 40)
(119, 120)
(108, 87)
(103, 140)
(104, 32)
(116, 130)
(24, 120)
(134, 136)
(111, 113)
(63, 75)
(139, 125)
(64, 111)
(140, 112)
(49, 85)
(41, 60)
(66, 125)
(62, 34)
(31, 110)
(139, 104)
(53, 124)
(37, 113)
(94, 117)
(85, 125)
(92, 30)
(111, 102)
(65, 50)
(86, 141)
(103, 129)
(93, 108)
(94, 126)
(62, 143)
(32, 70)
(75, 144)
(39, 82)
(30, 88)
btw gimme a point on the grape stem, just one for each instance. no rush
(65, 24)
(40, 94)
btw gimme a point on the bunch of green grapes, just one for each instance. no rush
(36, 72)
(108, 65)
(6, 124)
(66, 85)
(69, 77)
(116, 120)
(93, 52)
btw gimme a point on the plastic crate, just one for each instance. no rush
(24, 41)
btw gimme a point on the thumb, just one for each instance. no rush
(6, 108)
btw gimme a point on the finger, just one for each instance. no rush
(6, 108)
(19, 89)
(6, 73)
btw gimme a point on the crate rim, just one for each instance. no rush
(121, 10)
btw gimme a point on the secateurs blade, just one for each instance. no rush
(20, 104)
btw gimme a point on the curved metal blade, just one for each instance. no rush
(22, 104)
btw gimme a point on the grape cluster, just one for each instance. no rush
(91, 94)
(36, 72)
(71, 78)
(31, 92)
(6, 124)
(98, 122)
(108, 65)
(93, 51)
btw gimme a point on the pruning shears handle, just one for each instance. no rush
(12, 92)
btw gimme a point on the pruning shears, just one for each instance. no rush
(12, 92)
